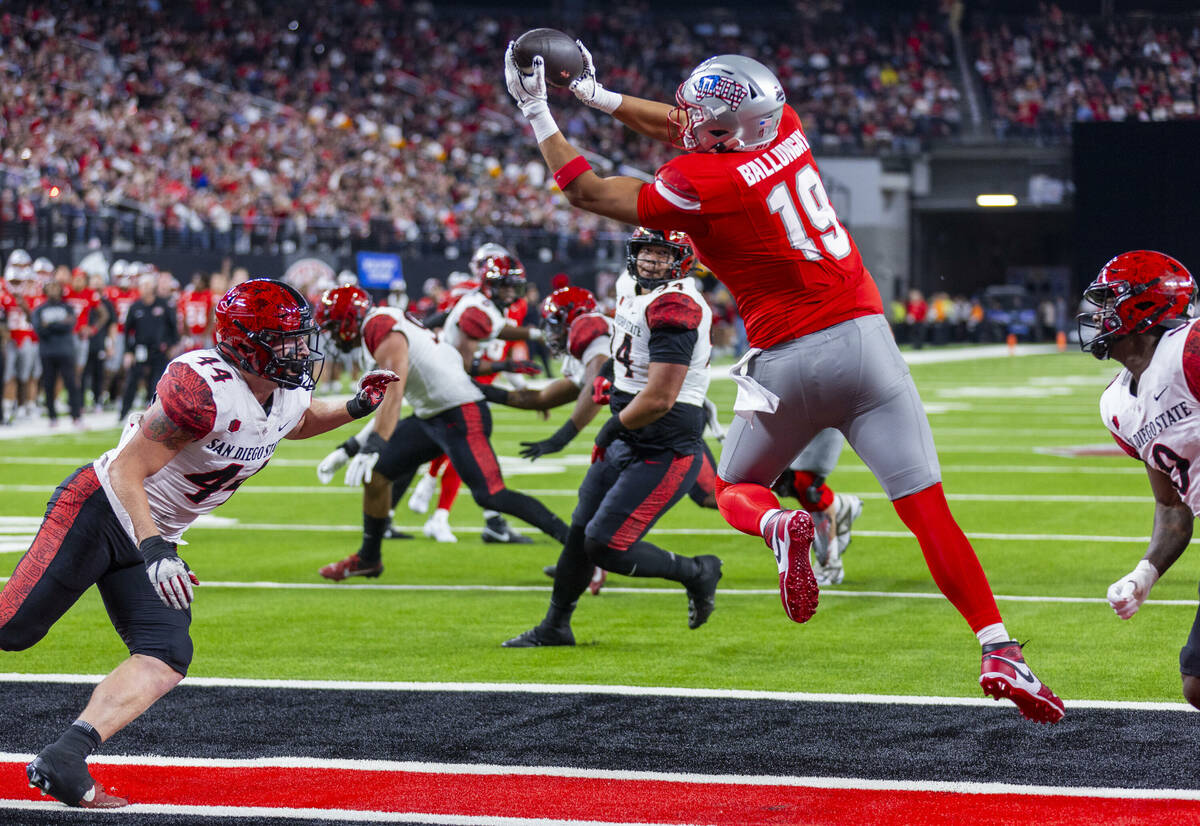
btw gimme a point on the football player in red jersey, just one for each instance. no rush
(747, 191)
(1139, 316)
(216, 419)
(195, 309)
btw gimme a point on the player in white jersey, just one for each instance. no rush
(449, 417)
(648, 453)
(1139, 316)
(216, 419)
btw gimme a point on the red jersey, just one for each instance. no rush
(452, 296)
(82, 302)
(19, 327)
(121, 299)
(763, 223)
(195, 311)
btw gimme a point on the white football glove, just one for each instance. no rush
(330, 464)
(713, 419)
(362, 464)
(360, 468)
(1127, 594)
(529, 91)
(588, 89)
(169, 575)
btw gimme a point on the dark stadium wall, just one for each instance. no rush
(1136, 187)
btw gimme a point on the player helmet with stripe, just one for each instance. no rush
(341, 313)
(1133, 293)
(729, 103)
(679, 247)
(266, 328)
(503, 280)
(479, 258)
(560, 308)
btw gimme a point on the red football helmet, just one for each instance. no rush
(341, 312)
(1134, 292)
(503, 280)
(266, 328)
(560, 308)
(683, 257)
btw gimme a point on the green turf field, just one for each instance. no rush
(1046, 527)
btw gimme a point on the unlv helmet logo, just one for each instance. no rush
(721, 88)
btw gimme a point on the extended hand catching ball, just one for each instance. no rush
(560, 53)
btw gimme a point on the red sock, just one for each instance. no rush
(949, 555)
(803, 481)
(744, 504)
(435, 467)
(450, 485)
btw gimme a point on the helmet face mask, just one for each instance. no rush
(503, 280)
(659, 269)
(341, 313)
(559, 310)
(729, 103)
(265, 327)
(1134, 292)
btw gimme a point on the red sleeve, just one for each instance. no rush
(671, 201)
(187, 400)
(584, 330)
(1191, 360)
(674, 310)
(475, 323)
(376, 330)
(1125, 446)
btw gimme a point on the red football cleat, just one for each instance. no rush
(350, 566)
(789, 534)
(1003, 673)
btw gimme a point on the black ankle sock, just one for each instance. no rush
(80, 739)
(374, 528)
(559, 616)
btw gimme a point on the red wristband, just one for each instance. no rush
(571, 170)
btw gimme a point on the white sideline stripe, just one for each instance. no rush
(613, 690)
(415, 767)
(19, 543)
(257, 813)
(733, 592)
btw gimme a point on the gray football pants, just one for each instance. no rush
(852, 377)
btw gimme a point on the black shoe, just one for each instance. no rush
(392, 533)
(702, 591)
(540, 635)
(550, 570)
(65, 778)
(497, 530)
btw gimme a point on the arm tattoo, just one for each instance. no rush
(158, 427)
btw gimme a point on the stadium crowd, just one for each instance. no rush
(358, 116)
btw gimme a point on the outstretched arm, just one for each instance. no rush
(646, 117)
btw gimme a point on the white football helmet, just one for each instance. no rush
(478, 265)
(398, 294)
(729, 103)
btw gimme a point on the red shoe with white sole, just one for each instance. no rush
(1004, 674)
(789, 535)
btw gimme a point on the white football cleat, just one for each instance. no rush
(438, 527)
(422, 495)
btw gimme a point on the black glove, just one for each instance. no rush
(560, 439)
(608, 434)
(493, 393)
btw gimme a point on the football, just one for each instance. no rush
(564, 61)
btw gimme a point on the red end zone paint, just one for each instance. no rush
(617, 801)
